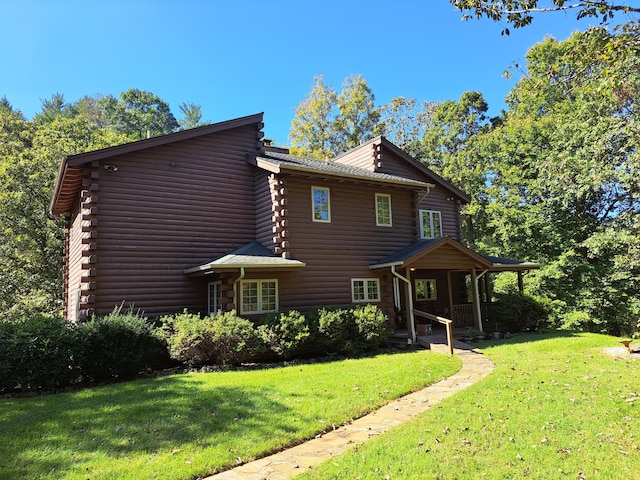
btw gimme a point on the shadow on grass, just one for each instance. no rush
(145, 416)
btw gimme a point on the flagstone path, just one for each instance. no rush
(295, 460)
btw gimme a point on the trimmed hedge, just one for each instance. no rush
(44, 353)
(38, 353)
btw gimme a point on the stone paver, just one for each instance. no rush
(288, 463)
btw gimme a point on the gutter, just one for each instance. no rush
(413, 338)
(235, 290)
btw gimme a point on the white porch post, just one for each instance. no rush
(476, 296)
(411, 327)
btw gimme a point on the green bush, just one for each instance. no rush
(286, 333)
(221, 338)
(120, 344)
(372, 327)
(514, 312)
(337, 330)
(38, 353)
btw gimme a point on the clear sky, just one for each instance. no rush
(239, 57)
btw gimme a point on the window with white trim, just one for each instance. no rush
(320, 199)
(365, 290)
(258, 296)
(383, 210)
(426, 290)
(430, 224)
(214, 296)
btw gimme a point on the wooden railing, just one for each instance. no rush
(463, 315)
(445, 321)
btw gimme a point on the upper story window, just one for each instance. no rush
(365, 290)
(258, 296)
(430, 224)
(320, 197)
(383, 210)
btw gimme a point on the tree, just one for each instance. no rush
(139, 114)
(358, 115)
(564, 184)
(403, 121)
(192, 116)
(31, 242)
(519, 13)
(449, 147)
(312, 131)
(52, 108)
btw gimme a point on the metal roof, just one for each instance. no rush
(277, 162)
(251, 255)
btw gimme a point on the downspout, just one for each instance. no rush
(235, 291)
(477, 300)
(410, 320)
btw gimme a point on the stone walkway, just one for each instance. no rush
(288, 463)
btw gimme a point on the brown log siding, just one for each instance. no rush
(168, 208)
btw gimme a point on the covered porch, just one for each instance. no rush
(441, 281)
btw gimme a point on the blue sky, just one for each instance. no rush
(240, 57)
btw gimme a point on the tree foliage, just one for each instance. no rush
(520, 13)
(564, 178)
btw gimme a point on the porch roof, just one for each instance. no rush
(502, 264)
(251, 255)
(416, 251)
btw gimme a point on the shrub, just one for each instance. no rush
(286, 333)
(119, 345)
(371, 326)
(515, 312)
(337, 330)
(37, 353)
(221, 338)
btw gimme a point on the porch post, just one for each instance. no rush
(410, 316)
(450, 290)
(477, 315)
(520, 283)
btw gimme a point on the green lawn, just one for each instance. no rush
(184, 426)
(555, 407)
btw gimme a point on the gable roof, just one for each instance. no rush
(70, 173)
(434, 177)
(251, 255)
(419, 249)
(277, 162)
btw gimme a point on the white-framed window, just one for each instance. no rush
(430, 224)
(365, 290)
(426, 290)
(258, 296)
(214, 295)
(383, 210)
(321, 201)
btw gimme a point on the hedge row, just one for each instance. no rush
(225, 338)
(44, 353)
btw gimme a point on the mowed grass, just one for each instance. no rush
(555, 407)
(189, 425)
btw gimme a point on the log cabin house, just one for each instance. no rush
(213, 218)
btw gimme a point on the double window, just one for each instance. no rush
(426, 290)
(320, 198)
(430, 224)
(365, 290)
(383, 210)
(258, 296)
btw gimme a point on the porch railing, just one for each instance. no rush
(445, 321)
(463, 315)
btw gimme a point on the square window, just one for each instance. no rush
(383, 210)
(365, 290)
(321, 204)
(426, 290)
(258, 296)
